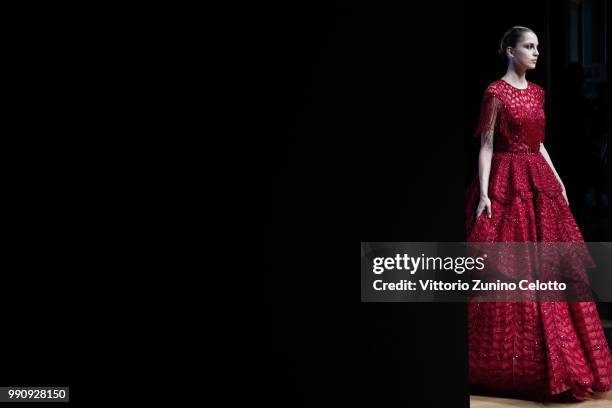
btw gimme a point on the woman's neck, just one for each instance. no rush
(515, 77)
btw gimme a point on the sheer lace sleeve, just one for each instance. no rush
(489, 113)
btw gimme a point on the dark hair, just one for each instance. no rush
(511, 37)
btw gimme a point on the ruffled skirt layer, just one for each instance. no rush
(532, 349)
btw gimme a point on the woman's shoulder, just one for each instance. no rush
(536, 87)
(495, 86)
(490, 90)
(495, 90)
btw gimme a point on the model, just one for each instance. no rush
(533, 350)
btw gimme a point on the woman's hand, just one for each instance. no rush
(484, 204)
(563, 190)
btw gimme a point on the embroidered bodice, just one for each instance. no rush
(516, 117)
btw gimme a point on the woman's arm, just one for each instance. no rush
(547, 158)
(484, 170)
(490, 108)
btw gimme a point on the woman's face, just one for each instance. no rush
(525, 53)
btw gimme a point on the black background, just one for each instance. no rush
(370, 147)
(69, 211)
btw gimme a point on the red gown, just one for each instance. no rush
(534, 350)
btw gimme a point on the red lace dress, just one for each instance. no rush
(534, 350)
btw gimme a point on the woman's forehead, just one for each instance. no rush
(529, 37)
